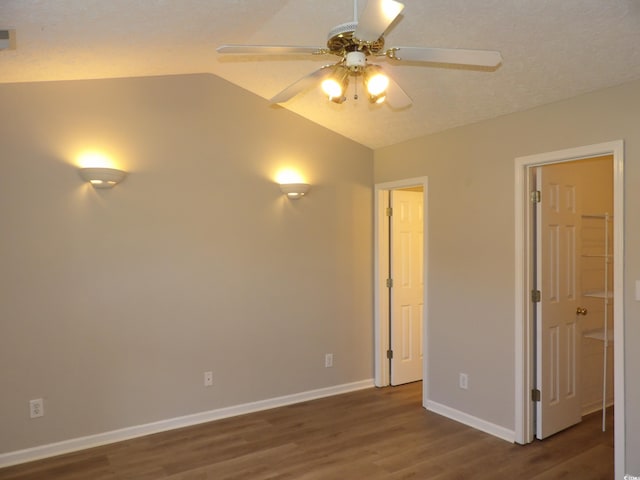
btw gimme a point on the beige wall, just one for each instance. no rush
(471, 242)
(114, 303)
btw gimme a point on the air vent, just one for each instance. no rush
(7, 39)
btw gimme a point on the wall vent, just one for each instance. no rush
(7, 39)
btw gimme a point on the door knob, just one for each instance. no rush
(581, 311)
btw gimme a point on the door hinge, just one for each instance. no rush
(535, 296)
(535, 196)
(389, 212)
(389, 282)
(535, 395)
(389, 354)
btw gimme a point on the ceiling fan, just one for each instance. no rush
(354, 43)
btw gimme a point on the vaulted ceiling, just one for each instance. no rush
(551, 49)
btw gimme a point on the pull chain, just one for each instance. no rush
(355, 90)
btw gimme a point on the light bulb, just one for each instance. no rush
(335, 85)
(377, 84)
(332, 88)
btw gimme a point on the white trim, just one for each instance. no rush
(471, 421)
(380, 302)
(523, 380)
(81, 443)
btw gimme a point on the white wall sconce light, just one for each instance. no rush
(294, 190)
(102, 177)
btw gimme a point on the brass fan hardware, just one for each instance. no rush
(354, 42)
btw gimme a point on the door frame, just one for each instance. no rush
(381, 260)
(524, 352)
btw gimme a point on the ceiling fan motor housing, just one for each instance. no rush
(341, 41)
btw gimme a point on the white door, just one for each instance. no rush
(406, 245)
(558, 332)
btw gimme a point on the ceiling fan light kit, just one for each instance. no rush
(354, 42)
(335, 85)
(376, 82)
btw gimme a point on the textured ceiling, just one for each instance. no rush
(551, 49)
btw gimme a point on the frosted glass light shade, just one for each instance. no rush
(102, 177)
(376, 83)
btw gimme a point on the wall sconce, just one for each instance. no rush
(102, 177)
(294, 190)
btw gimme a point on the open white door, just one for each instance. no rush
(558, 349)
(526, 347)
(408, 284)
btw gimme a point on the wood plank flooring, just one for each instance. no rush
(371, 434)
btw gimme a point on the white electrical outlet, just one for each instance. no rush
(464, 381)
(328, 360)
(36, 408)
(208, 379)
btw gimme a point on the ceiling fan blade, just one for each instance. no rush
(397, 98)
(269, 49)
(481, 58)
(302, 84)
(376, 18)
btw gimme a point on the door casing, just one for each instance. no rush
(381, 260)
(524, 352)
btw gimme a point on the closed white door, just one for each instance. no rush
(558, 331)
(407, 287)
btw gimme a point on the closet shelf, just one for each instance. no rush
(598, 294)
(598, 334)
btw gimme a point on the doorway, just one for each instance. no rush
(572, 225)
(405, 193)
(526, 284)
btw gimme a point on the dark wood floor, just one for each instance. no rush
(371, 434)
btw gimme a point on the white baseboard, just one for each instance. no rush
(471, 421)
(75, 444)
